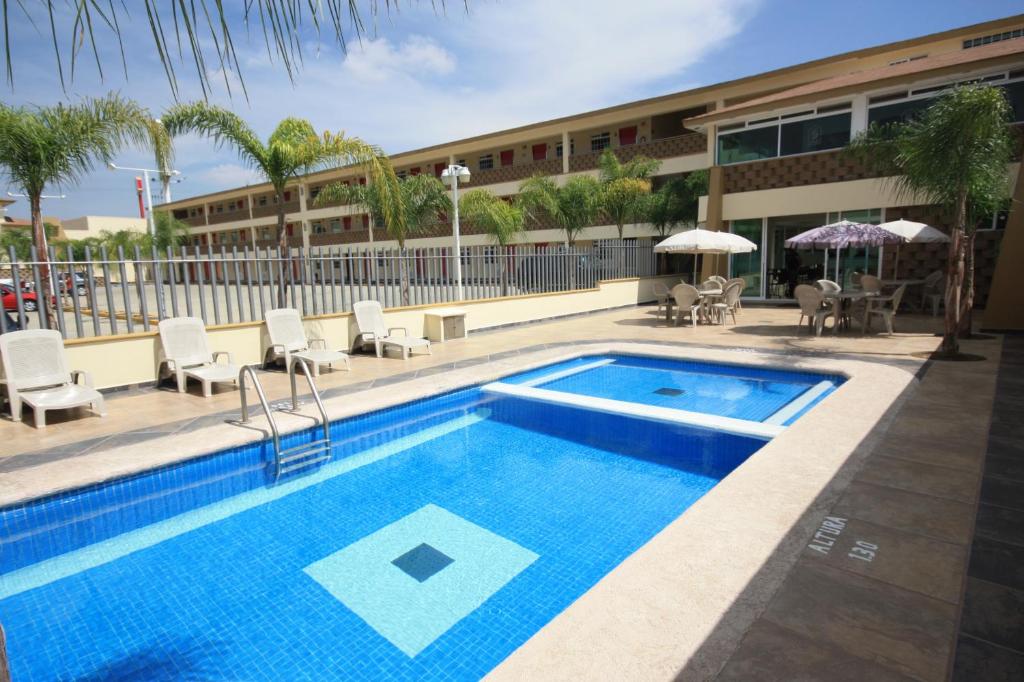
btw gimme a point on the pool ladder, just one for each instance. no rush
(300, 456)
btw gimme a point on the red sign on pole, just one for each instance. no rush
(138, 190)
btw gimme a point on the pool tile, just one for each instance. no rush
(367, 578)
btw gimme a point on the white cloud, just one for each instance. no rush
(379, 60)
(225, 175)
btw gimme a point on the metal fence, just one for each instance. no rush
(114, 293)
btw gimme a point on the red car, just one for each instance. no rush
(28, 299)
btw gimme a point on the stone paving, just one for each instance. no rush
(876, 591)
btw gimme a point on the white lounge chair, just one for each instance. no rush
(36, 373)
(288, 340)
(370, 320)
(187, 354)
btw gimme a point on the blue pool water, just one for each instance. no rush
(443, 534)
(742, 392)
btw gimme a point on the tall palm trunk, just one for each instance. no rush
(403, 275)
(967, 302)
(955, 278)
(42, 256)
(282, 249)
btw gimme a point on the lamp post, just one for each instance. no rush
(451, 176)
(150, 224)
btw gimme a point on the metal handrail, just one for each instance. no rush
(249, 370)
(297, 361)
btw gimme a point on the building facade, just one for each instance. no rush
(772, 143)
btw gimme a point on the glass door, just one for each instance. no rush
(748, 265)
(788, 268)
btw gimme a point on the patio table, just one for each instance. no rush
(841, 302)
(706, 297)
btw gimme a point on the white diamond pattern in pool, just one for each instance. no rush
(411, 614)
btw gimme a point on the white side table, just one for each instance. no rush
(445, 323)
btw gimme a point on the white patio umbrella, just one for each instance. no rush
(700, 241)
(915, 233)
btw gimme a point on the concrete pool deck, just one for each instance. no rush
(739, 586)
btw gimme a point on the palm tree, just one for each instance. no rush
(666, 208)
(199, 32)
(955, 155)
(292, 150)
(626, 185)
(56, 146)
(163, 154)
(410, 211)
(503, 220)
(572, 206)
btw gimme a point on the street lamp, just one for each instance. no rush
(151, 226)
(451, 176)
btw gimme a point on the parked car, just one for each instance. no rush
(80, 283)
(28, 299)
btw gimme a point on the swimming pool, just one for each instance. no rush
(443, 534)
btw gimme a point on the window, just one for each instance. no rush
(898, 112)
(814, 134)
(507, 157)
(997, 221)
(262, 201)
(540, 152)
(486, 162)
(1015, 95)
(402, 174)
(794, 133)
(600, 142)
(748, 145)
(994, 38)
(335, 226)
(313, 193)
(318, 228)
(220, 208)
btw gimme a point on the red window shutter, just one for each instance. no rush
(348, 222)
(439, 168)
(540, 152)
(627, 136)
(288, 229)
(362, 181)
(287, 196)
(506, 157)
(366, 221)
(414, 171)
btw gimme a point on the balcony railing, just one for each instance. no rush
(271, 209)
(793, 171)
(683, 145)
(517, 172)
(229, 216)
(194, 221)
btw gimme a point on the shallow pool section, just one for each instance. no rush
(735, 391)
(441, 536)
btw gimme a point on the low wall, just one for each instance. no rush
(129, 359)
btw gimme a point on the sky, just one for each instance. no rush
(421, 77)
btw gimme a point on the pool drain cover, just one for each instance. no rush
(422, 561)
(670, 391)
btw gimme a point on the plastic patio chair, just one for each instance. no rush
(932, 291)
(870, 284)
(186, 353)
(890, 304)
(728, 306)
(288, 340)
(811, 302)
(661, 294)
(687, 303)
(370, 320)
(826, 286)
(718, 278)
(743, 285)
(36, 373)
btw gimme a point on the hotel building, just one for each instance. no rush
(772, 143)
